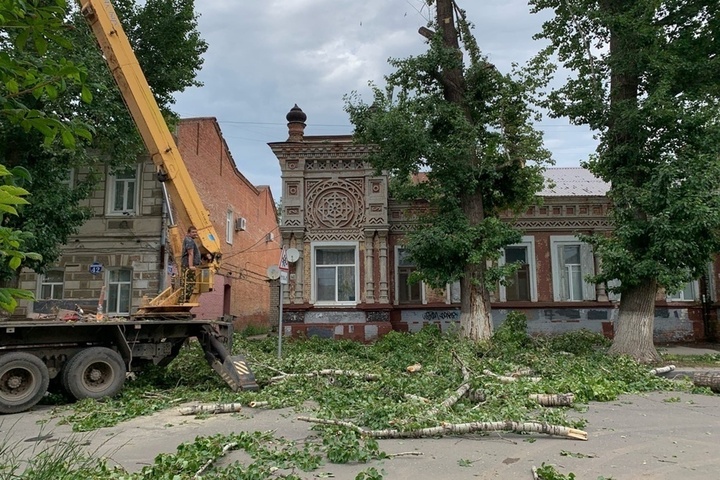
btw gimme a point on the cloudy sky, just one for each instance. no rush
(264, 57)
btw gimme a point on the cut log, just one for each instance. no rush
(210, 408)
(553, 399)
(326, 373)
(459, 428)
(660, 370)
(707, 379)
(258, 404)
(415, 367)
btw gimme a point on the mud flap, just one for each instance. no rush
(236, 373)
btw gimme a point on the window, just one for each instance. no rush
(118, 291)
(687, 294)
(335, 274)
(67, 178)
(572, 261)
(406, 292)
(455, 288)
(521, 286)
(51, 285)
(122, 192)
(229, 227)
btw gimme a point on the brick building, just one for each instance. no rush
(122, 247)
(350, 280)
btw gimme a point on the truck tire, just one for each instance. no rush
(24, 379)
(95, 372)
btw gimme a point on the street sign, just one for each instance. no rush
(283, 265)
(284, 277)
(95, 268)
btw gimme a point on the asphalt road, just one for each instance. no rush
(655, 436)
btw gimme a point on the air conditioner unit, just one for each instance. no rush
(270, 237)
(240, 224)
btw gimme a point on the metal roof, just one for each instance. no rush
(573, 182)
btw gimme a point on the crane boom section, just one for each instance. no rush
(151, 124)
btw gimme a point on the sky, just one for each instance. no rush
(264, 57)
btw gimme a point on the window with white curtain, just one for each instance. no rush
(335, 273)
(123, 192)
(572, 262)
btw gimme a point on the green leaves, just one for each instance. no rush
(31, 70)
(652, 96)
(12, 241)
(459, 137)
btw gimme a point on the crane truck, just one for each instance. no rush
(91, 359)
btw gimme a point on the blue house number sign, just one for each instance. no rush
(95, 268)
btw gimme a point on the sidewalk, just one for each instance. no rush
(700, 349)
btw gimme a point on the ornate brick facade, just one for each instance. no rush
(338, 214)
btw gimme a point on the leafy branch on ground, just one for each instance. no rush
(575, 363)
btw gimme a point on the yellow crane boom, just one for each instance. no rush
(177, 184)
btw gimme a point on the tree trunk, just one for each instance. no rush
(634, 328)
(475, 318)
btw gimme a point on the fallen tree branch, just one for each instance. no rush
(507, 379)
(225, 449)
(210, 408)
(659, 370)
(404, 454)
(461, 390)
(326, 373)
(417, 398)
(553, 399)
(459, 428)
(534, 473)
(258, 404)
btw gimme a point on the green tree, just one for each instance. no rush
(169, 48)
(468, 128)
(646, 79)
(29, 31)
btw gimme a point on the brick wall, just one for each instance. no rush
(224, 189)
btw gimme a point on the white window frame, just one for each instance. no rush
(69, 179)
(43, 281)
(529, 243)
(113, 309)
(587, 267)
(423, 298)
(320, 245)
(112, 191)
(680, 296)
(452, 288)
(229, 226)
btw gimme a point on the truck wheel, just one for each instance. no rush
(95, 372)
(24, 380)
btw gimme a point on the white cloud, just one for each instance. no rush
(264, 57)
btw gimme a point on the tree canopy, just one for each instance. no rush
(169, 49)
(468, 129)
(646, 79)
